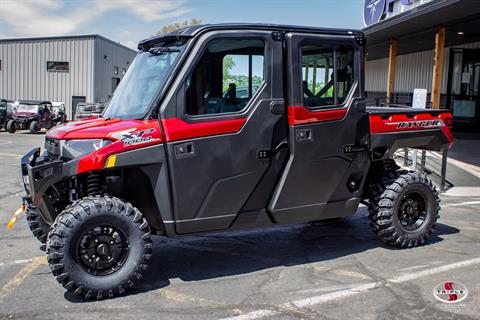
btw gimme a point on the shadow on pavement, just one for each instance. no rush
(194, 258)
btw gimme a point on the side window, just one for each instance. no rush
(226, 78)
(345, 76)
(321, 86)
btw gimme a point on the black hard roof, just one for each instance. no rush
(34, 102)
(192, 31)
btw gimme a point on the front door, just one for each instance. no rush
(328, 130)
(227, 116)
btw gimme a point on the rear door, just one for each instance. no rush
(328, 129)
(220, 124)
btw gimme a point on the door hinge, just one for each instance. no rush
(278, 36)
(354, 148)
(268, 154)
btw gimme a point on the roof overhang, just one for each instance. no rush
(415, 29)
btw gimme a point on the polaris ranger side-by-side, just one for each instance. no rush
(179, 151)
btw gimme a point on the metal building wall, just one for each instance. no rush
(414, 70)
(108, 55)
(24, 75)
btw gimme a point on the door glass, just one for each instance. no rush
(226, 78)
(319, 62)
(317, 75)
(345, 65)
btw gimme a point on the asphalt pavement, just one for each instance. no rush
(328, 270)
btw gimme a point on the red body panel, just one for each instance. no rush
(114, 130)
(118, 130)
(177, 129)
(421, 121)
(300, 115)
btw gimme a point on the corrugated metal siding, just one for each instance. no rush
(24, 73)
(413, 71)
(376, 75)
(104, 67)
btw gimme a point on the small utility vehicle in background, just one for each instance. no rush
(178, 151)
(87, 110)
(59, 115)
(32, 115)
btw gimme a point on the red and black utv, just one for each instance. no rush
(32, 115)
(181, 150)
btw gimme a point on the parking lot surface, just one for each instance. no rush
(326, 270)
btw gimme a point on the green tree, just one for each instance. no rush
(179, 25)
(228, 64)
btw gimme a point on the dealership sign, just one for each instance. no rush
(376, 10)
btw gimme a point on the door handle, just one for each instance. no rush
(184, 150)
(303, 135)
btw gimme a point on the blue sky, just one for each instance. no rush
(128, 21)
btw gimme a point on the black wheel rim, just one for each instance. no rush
(102, 250)
(412, 211)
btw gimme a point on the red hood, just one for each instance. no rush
(96, 128)
(24, 114)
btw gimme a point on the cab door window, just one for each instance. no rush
(226, 78)
(327, 73)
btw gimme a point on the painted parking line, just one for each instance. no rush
(181, 297)
(316, 300)
(15, 155)
(343, 273)
(4, 142)
(462, 204)
(20, 277)
(17, 262)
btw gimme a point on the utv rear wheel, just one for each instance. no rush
(11, 126)
(404, 209)
(99, 247)
(37, 224)
(34, 127)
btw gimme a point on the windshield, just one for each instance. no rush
(27, 108)
(142, 82)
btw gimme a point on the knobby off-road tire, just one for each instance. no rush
(73, 235)
(404, 208)
(11, 126)
(36, 224)
(34, 127)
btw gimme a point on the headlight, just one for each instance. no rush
(72, 149)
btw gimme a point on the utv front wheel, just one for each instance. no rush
(99, 247)
(405, 209)
(34, 127)
(11, 126)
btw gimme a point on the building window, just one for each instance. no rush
(115, 70)
(57, 66)
(0, 65)
(124, 71)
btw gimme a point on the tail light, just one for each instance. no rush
(448, 120)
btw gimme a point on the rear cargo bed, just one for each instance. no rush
(392, 128)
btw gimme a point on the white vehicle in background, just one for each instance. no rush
(59, 115)
(86, 110)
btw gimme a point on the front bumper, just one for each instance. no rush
(38, 174)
